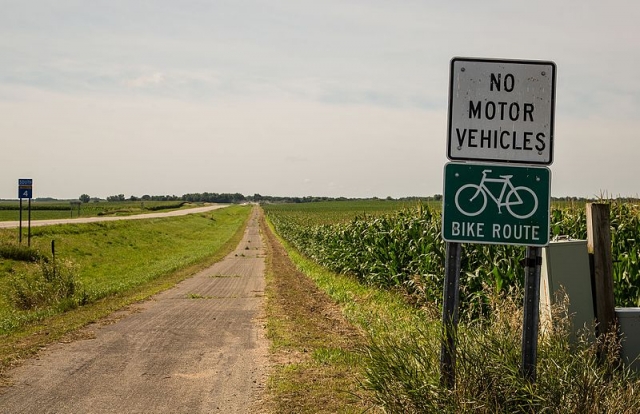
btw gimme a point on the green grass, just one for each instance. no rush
(363, 305)
(119, 256)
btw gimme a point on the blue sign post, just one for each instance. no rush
(25, 190)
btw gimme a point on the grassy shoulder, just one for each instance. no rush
(314, 350)
(118, 264)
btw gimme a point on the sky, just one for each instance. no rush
(296, 98)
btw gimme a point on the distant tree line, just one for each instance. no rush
(237, 198)
(146, 197)
(225, 198)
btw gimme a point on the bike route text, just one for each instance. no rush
(496, 232)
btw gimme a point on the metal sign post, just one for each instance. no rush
(533, 261)
(450, 315)
(29, 225)
(20, 226)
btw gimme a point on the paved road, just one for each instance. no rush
(196, 348)
(36, 223)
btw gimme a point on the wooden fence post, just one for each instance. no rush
(599, 247)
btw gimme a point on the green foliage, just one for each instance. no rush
(53, 282)
(404, 249)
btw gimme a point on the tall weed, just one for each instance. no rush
(53, 283)
(572, 377)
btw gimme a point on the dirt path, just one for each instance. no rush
(196, 348)
(37, 223)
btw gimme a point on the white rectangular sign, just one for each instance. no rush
(501, 110)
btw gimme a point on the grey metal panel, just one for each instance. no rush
(629, 320)
(565, 265)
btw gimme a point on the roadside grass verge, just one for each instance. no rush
(314, 351)
(118, 263)
(395, 361)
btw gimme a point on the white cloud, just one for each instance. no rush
(152, 79)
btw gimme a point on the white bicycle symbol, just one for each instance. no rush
(511, 198)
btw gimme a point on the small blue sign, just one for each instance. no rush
(25, 188)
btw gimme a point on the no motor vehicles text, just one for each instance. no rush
(501, 124)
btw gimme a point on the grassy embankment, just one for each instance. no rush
(113, 264)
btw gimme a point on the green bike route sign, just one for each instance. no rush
(496, 204)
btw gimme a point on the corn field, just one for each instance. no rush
(404, 249)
